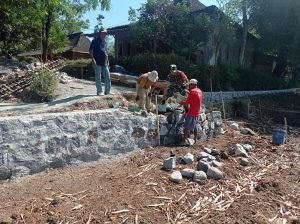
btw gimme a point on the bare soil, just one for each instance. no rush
(134, 189)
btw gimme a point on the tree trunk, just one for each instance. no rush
(245, 34)
(45, 35)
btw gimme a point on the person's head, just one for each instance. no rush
(173, 68)
(102, 33)
(193, 83)
(153, 76)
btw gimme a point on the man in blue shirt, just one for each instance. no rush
(99, 56)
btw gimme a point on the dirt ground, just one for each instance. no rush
(134, 188)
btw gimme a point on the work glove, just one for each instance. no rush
(137, 98)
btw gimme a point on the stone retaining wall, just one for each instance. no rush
(33, 143)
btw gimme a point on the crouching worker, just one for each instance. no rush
(144, 86)
(194, 100)
(177, 83)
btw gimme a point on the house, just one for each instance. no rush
(78, 48)
(208, 54)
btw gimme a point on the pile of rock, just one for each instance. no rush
(235, 126)
(64, 77)
(210, 125)
(209, 165)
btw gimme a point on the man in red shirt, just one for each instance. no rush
(194, 99)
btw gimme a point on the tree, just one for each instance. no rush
(277, 23)
(61, 11)
(239, 11)
(27, 24)
(164, 26)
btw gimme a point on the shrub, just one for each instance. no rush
(43, 85)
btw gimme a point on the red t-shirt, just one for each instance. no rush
(181, 73)
(194, 100)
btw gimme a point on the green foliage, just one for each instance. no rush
(44, 85)
(165, 27)
(28, 23)
(79, 62)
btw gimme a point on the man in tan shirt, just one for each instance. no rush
(144, 85)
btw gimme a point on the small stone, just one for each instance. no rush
(191, 141)
(215, 152)
(207, 150)
(5, 173)
(189, 173)
(170, 163)
(244, 162)
(224, 155)
(240, 151)
(211, 158)
(234, 126)
(247, 147)
(202, 117)
(280, 221)
(217, 164)
(202, 166)
(214, 173)
(200, 177)
(247, 131)
(176, 177)
(188, 158)
(204, 155)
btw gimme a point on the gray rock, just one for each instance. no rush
(247, 147)
(211, 158)
(240, 151)
(212, 125)
(200, 177)
(202, 117)
(215, 152)
(163, 130)
(191, 141)
(205, 125)
(247, 131)
(244, 162)
(170, 163)
(207, 150)
(202, 166)
(176, 177)
(214, 173)
(218, 122)
(5, 173)
(209, 117)
(234, 126)
(204, 155)
(216, 115)
(188, 158)
(189, 173)
(217, 164)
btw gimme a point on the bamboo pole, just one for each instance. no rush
(285, 126)
(224, 112)
(157, 120)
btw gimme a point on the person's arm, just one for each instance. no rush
(92, 55)
(184, 77)
(188, 100)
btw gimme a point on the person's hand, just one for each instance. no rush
(137, 98)
(94, 65)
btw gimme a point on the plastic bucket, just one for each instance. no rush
(278, 137)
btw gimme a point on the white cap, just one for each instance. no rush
(193, 81)
(153, 76)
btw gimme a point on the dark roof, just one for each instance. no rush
(78, 42)
(195, 5)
